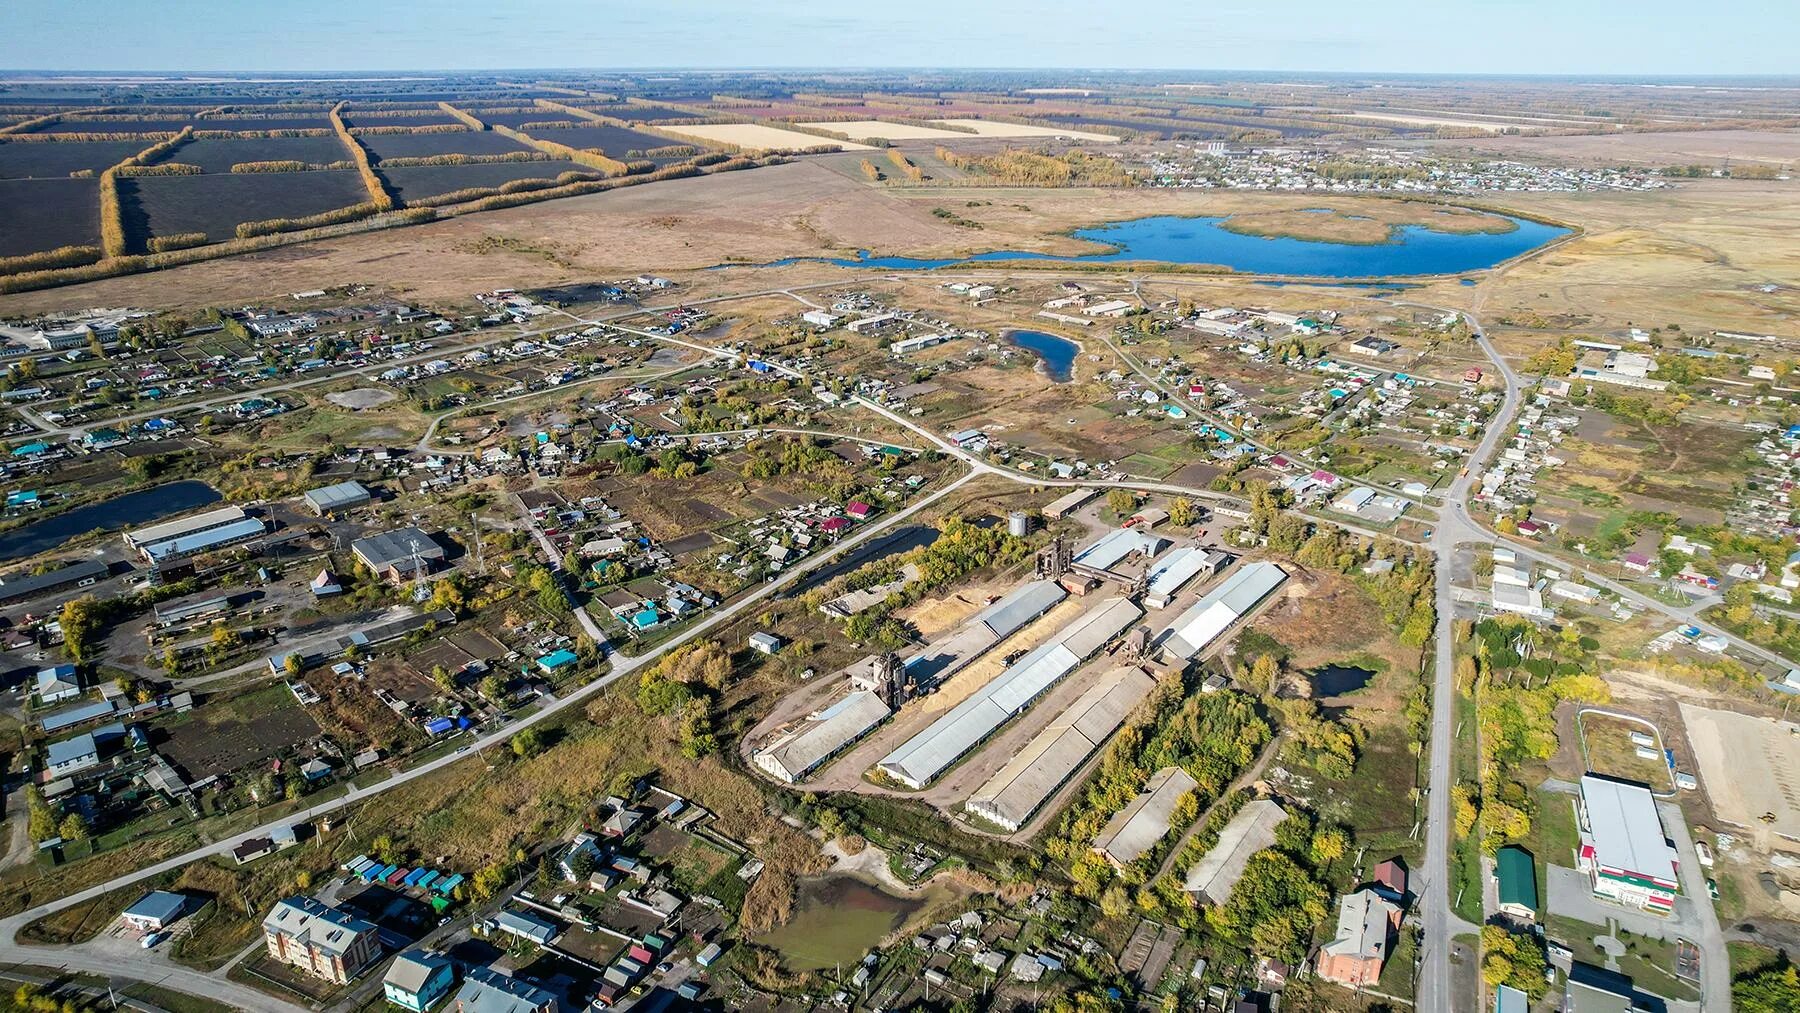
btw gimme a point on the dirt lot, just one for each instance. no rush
(1726, 745)
(219, 738)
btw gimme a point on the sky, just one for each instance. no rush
(1568, 37)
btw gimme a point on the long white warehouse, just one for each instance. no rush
(928, 754)
(1224, 605)
(1018, 790)
(821, 736)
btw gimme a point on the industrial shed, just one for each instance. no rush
(821, 736)
(390, 553)
(1218, 871)
(1172, 572)
(205, 540)
(1015, 793)
(332, 498)
(949, 655)
(168, 530)
(928, 754)
(1068, 503)
(1221, 607)
(1112, 548)
(1136, 828)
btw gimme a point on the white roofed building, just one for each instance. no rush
(1235, 597)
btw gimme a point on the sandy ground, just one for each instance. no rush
(756, 135)
(888, 131)
(992, 128)
(1726, 745)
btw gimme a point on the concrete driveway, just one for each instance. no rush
(1571, 894)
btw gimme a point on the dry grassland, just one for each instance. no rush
(1363, 222)
(1780, 147)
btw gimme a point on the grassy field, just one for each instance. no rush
(1610, 751)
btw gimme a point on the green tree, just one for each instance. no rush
(1122, 502)
(1329, 845)
(72, 828)
(1770, 990)
(1182, 513)
(527, 743)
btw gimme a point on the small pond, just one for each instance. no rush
(1057, 354)
(1336, 680)
(836, 920)
(127, 511)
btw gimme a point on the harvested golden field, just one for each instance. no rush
(864, 129)
(756, 136)
(994, 128)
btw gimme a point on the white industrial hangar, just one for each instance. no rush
(1018, 790)
(1207, 619)
(922, 758)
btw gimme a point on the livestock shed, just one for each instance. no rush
(803, 749)
(1136, 828)
(1218, 871)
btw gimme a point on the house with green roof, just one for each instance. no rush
(1516, 877)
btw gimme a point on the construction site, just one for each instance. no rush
(1000, 716)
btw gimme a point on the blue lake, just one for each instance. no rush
(129, 510)
(1058, 354)
(1171, 239)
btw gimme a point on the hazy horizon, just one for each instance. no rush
(1653, 39)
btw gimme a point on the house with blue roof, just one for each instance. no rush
(556, 660)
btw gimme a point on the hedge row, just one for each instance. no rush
(270, 226)
(467, 119)
(62, 256)
(372, 181)
(178, 241)
(592, 159)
